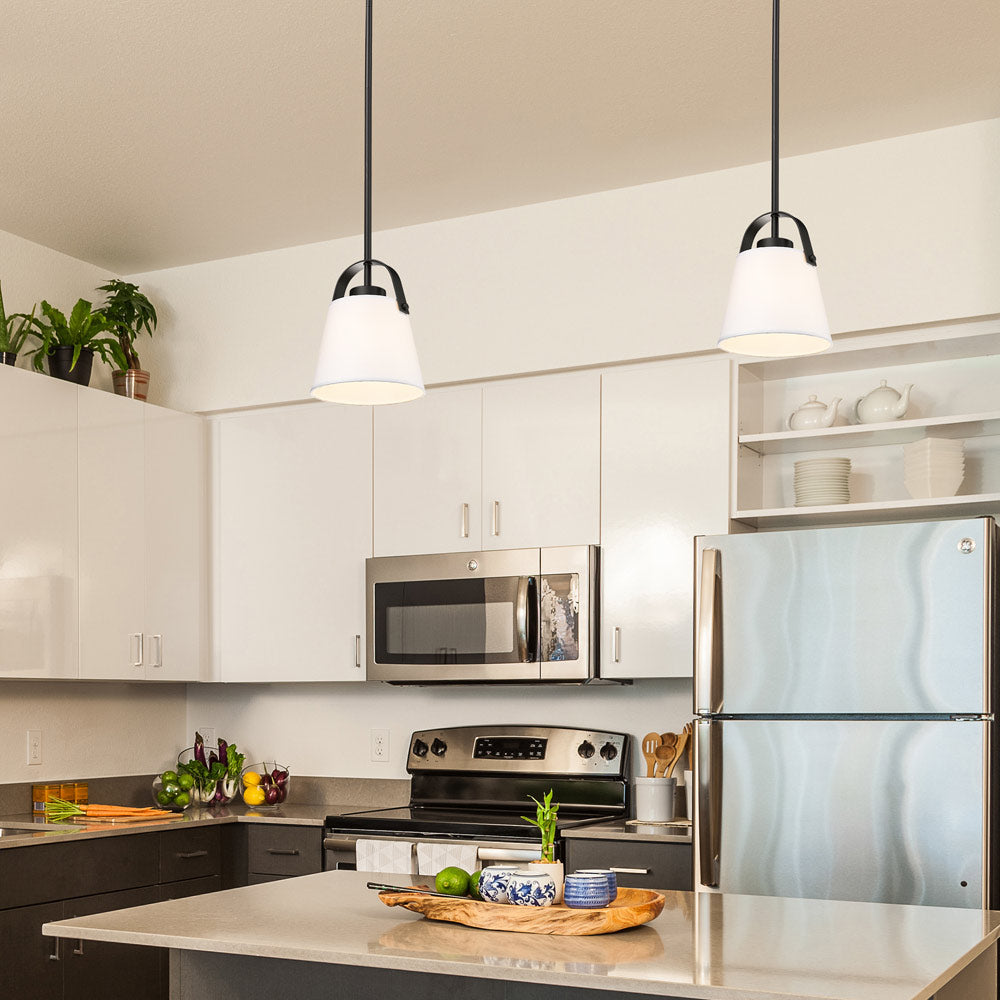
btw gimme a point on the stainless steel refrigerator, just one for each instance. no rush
(844, 691)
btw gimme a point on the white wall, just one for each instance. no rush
(324, 729)
(905, 232)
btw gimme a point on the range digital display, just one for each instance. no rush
(510, 748)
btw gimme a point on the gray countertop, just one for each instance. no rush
(711, 946)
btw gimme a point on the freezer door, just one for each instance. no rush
(878, 619)
(871, 810)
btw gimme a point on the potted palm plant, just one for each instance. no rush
(70, 344)
(14, 331)
(129, 313)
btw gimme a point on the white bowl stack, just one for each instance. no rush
(822, 481)
(934, 467)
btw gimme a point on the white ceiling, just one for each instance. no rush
(141, 134)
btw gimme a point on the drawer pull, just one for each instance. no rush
(633, 871)
(54, 957)
(78, 950)
(283, 853)
(192, 854)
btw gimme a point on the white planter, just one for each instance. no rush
(555, 869)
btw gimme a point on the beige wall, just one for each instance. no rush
(905, 232)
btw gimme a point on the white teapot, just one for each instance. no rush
(881, 404)
(812, 414)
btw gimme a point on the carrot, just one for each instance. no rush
(59, 809)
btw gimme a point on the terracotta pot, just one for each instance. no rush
(62, 357)
(133, 382)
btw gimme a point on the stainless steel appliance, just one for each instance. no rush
(512, 615)
(470, 785)
(846, 746)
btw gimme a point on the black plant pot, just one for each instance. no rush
(8, 358)
(62, 357)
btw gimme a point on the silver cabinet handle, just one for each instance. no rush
(616, 644)
(707, 646)
(54, 957)
(495, 528)
(190, 855)
(632, 871)
(158, 657)
(465, 520)
(709, 792)
(357, 651)
(283, 853)
(135, 649)
(78, 950)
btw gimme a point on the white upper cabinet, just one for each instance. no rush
(143, 540)
(428, 474)
(293, 522)
(38, 543)
(542, 462)
(664, 479)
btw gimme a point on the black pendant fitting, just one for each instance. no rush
(771, 241)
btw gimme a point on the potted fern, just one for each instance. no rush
(129, 314)
(14, 331)
(70, 344)
(546, 814)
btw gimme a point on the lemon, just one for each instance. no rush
(253, 795)
(453, 881)
(251, 778)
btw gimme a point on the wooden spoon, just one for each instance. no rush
(666, 756)
(678, 750)
(689, 729)
(649, 744)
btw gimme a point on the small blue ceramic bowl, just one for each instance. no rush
(608, 874)
(586, 892)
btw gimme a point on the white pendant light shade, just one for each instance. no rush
(367, 355)
(775, 305)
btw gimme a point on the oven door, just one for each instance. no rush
(454, 617)
(340, 851)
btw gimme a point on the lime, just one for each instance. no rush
(171, 788)
(185, 781)
(169, 777)
(453, 881)
(163, 798)
(182, 800)
(474, 884)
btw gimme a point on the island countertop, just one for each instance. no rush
(701, 946)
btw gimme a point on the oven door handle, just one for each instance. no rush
(507, 854)
(339, 844)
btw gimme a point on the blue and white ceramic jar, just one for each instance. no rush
(586, 892)
(493, 883)
(608, 874)
(531, 888)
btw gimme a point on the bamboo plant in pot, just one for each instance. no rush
(545, 819)
(70, 344)
(15, 329)
(129, 313)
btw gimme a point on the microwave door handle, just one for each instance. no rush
(521, 619)
(707, 649)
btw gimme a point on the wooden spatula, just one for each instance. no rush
(649, 744)
(678, 750)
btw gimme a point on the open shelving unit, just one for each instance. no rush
(956, 395)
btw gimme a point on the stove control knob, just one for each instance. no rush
(438, 748)
(609, 751)
(586, 749)
(419, 748)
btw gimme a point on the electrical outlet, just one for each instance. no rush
(34, 746)
(380, 745)
(208, 735)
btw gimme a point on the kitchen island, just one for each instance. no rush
(328, 936)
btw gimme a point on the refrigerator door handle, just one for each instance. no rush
(709, 789)
(708, 638)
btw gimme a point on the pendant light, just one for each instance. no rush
(367, 355)
(775, 303)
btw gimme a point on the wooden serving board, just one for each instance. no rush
(631, 908)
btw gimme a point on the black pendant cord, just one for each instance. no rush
(368, 144)
(774, 120)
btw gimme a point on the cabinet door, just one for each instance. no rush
(428, 474)
(176, 538)
(294, 528)
(38, 510)
(542, 462)
(106, 970)
(638, 864)
(664, 479)
(33, 964)
(112, 536)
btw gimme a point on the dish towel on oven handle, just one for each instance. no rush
(431, 858)
(385, 856)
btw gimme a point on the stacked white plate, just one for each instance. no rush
(934, 467)
(822, 481)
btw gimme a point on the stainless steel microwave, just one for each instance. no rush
(513, 615)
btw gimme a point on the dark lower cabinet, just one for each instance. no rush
(651, 864)
(33, 964)
(101, 970)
